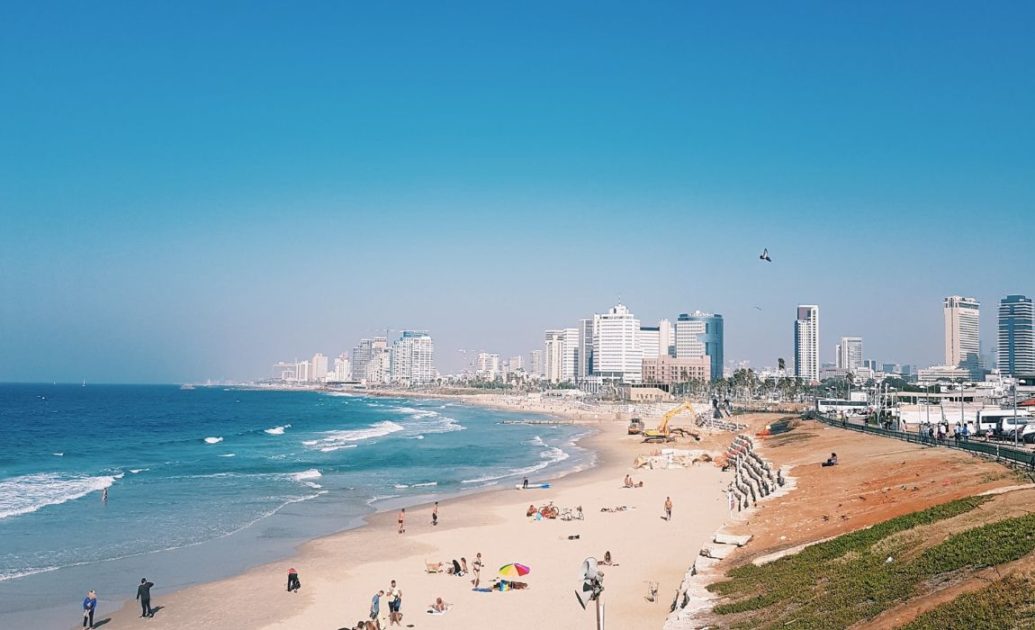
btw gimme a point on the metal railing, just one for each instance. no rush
(991, 449)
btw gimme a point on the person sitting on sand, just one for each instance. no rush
(607, 560)
(831, 461)
(531, 511)
(628, 481)
(463, 566)
(455, 569)
(439, 606)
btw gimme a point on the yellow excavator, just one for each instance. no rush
(663, 433)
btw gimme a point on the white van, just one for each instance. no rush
(998, 422)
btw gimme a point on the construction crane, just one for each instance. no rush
(663, 434)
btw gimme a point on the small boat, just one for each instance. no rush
(186, 386)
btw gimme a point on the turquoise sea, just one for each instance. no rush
(204, 483)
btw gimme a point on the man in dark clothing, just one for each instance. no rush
(144, 595)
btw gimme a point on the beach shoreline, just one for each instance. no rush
(373, 548)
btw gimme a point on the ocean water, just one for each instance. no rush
(203, 483)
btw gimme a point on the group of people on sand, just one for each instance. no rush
(629, 483)
(143, 596)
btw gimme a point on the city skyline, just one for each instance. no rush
(250, 185)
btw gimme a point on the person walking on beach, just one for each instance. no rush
(434, 515)
(668, 508)
(394, 605)
(402, 518)
(477, 566)
(89, 606)
(293, 582)
(144, 595)
(375, 609)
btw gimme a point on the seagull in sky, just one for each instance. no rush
(765, 255)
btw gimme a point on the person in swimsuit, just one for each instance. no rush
(402, 517)
(434, 515)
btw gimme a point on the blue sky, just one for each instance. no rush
(190, 191)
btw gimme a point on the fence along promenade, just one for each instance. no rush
(996, 450)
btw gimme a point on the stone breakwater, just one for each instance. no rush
(755, 479)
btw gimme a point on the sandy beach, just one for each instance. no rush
(340, 573)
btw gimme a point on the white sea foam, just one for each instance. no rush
(137, 471)
(374, 499)
(28, 493)
(400, 486)
(536, 441)
(419, 436)
(339, 439)
(425, 485)
(313, 485)
(58, 454)
(331, 449)
(213, 440)
(278, 430)
(416, 413)
(312, 473)
(229, 455)
(17, 573)
(551, 455)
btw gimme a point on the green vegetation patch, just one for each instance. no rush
(844, 580)
(1007, 603)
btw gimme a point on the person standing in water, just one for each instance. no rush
(89, 606)
(144, 595)
(104, 496)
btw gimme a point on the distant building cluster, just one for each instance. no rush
(964, 361)
(615, 348)
(406, 361)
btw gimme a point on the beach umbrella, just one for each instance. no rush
(514, 570)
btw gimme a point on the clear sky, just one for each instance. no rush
(190, 191)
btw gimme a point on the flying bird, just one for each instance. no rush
(765, 255)
(758, 308)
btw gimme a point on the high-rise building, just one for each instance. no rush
(515, 364)
(1016, 340)
(962, 333)
(650, 342)
(666, 339)
(806, 342)
(584, 368)
(698, 335)
(571, 354)
(535, 362)
(553, 368)
(412, 358)
(361, 357)
(616, 351)
(342, 371)
(849, 354)
(303, 373)
(487, 366)
(319, 369)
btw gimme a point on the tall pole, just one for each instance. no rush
(1015, 431)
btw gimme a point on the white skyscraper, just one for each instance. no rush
(571, 354)
(303, 373)
(488, 365)
(962, 333)
(806, 342)
(616, 350)
(688, 337)
(850, 354)
(412, 358)
(666, 341)
(650, 342)
(342, 371)
(535, 362)
(319, 369)
(553, 355)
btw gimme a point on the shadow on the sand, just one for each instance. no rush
(101, 622)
